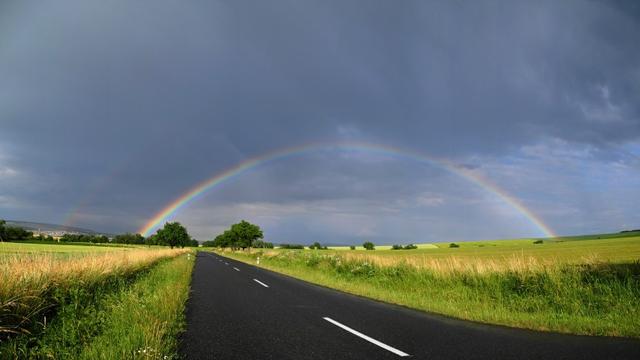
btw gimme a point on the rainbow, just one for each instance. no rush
(172, 208)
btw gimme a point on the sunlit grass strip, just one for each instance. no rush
(31, 284)
(589, 298)
(148, 317)
(120, 320)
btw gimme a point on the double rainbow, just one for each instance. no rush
(172, 208)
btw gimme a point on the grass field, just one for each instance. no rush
(39, 248)
(585, 286)
(61, 301)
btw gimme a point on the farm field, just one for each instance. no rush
(584, 286)
(81, 291)
(613, 249)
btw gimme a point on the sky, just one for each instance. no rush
(110, 111)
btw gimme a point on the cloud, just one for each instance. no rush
(116, 108)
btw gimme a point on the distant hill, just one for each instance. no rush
(28, 225)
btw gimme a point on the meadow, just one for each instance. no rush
(587, 285)
(72, 301)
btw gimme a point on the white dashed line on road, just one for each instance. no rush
(236, 269)
(261, 283)
(369, 339)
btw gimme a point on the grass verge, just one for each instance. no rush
(123, 318)
(589, 298)
(33, 285)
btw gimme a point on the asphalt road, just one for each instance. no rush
(238, 311)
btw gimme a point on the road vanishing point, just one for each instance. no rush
(239, 311)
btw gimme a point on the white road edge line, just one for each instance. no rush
(369, 339)
(261, 283)
(236, 269)
(226, 263)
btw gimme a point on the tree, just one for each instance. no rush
(245, 233)
(291, 246)
(369, 245)
(352, 247)
(2, 230)
(13, 233)
(224, 240)
(151, 240)
(173, 234)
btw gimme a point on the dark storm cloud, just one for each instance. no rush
(120, 106)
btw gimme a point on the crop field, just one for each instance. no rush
(615, 249)
(61, 301)
(587, 285)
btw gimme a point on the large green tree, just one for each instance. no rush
(244, 233)
(173, 234)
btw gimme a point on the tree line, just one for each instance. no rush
(13, 233)
(172, 234)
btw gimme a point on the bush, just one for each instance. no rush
(369, 245)
(291, 246)
(406, 247)
(262, 244)
(538, 242)
(454, 245)
(352, 247)
(316, 245)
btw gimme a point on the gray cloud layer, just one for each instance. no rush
(121, 106)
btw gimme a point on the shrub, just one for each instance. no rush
(454, 245)
(538, 242)
(396, 247)
(316, 245)
(262, 244)
(410, 247)
(369, 245)
(352, 247)
(291, 246)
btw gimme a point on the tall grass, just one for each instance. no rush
(583, 297)
(120, 320)
(32, 285)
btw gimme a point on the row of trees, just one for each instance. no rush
(129, 238)
(13, 233)
(242, 235)
(317, 246)
(95, 239)
(406, 247)
(172, 234)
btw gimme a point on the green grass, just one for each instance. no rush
(614, 249)
(589, 287)
(34, 285)
(30, 247)
(135, 317)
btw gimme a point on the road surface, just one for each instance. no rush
(239, 311)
